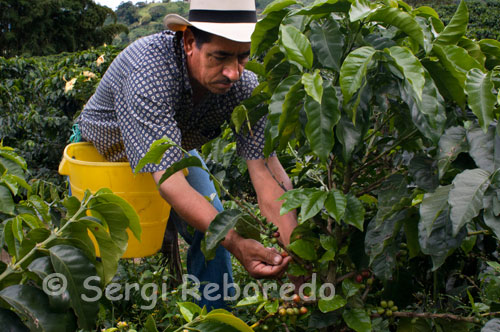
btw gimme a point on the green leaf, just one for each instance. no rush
(110, 253)
(155, 153)
(256, 67)
(321, 119)
(230, 320)
(266, 32)
(473, 48)
(441, 242)
(349, 136)
(324, 7)
(188, 310)
(360, 9)
(238, 117)
(479, 88)
(11, 155)
(150, 324)
(185, 162)
(247, 228)
(451, 144)
(294, 198)
(336, 204)
(289, 118)
(313, 84)
(482, 147)
(327, 42)
(491, 219)
(304, 249)
(456, 28)
(358, 320)
(33, 305)
(466, 196)
(76, 268)
(312, 204)
(296, 46)
(432, 206)
(353, 71)
(40, 206)
(390, 193)
(410, 66)
(491, 49)
(277, 5)
(11, 322)
(333, 304)
(272, 307)
(456, 61)
(449, 86)
(355, 212)
(6, 201)
(349, 288)
(424, 172)
(217, 231)
(251, 300)
(403, 21)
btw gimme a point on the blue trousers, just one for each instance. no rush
(205, 271)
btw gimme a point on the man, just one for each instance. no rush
(184, 86)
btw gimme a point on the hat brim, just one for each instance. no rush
(240, 32)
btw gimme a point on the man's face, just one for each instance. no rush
(217, 65)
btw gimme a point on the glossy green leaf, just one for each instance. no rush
(336, 204)
(473, 48)
(353, 71)
(426, 11)
(289, 118)
(327, 42)
(360, 9)
(321, 119)
(272, 306)
(251, 300)
(305, 249)
(441, 242)
(266, 32)
(424, 172)
(11, 155)
(390, 193)
(482, 148)
(6, 201)
(188, 310)
(17, 228)
(155, 153)
(256, 67)
(479, 88)
(349, 137)
(296, 46)
(238, 117)
(410, 67)
(449, 86)
(33, 306)
(230, 320)
(357, 319)
(491, 49)
(355, 212)
(400, 19)
(247, 228)
(432, 206)
(466, 196)
(456, 28)
(10, 322)
(491, 217)
(350, 288)
(312, 204)
(333, 304)
(294, 198)
(313, 84)
(40, 206)
(451, 144)
(76, 268)
(277, 5)
(110, 253)
(186, 162)
(217, 231)
(456, 61)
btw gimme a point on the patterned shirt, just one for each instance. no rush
(145, 95)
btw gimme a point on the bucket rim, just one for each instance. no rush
(71, 160)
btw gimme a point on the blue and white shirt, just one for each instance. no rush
(145, 95)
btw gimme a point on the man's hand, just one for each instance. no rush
(260, 262)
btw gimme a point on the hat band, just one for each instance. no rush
(223, 16)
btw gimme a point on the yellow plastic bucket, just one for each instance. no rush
(87, 169)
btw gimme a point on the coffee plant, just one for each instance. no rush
(388, 118)
(54, 275)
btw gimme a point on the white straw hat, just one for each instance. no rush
(231, 19)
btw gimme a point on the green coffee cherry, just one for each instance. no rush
(383, 304)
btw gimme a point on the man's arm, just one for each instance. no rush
(269, 178)
(259, 261)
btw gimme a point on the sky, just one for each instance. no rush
(115, 3)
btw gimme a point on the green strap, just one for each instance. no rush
(76, 136)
